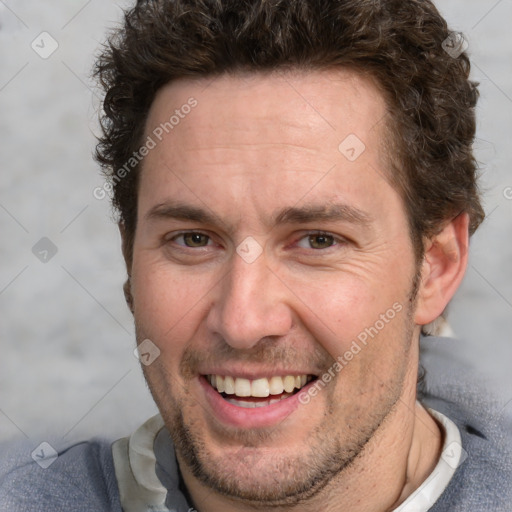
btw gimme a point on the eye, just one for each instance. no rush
(317, 241)
(192, 239)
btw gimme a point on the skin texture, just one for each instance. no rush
(255, 147)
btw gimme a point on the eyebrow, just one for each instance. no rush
(306, 214)
(181, 212)
(326, 213)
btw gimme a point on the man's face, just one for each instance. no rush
(329, 262)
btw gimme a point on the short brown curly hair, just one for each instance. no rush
(399, 44)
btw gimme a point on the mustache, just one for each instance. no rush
(270, 354)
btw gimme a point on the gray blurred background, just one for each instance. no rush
(67, 369)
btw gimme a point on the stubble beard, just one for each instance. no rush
(265, 481)
(252, 475)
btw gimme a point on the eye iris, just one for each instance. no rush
(195, 239)
(321, 241)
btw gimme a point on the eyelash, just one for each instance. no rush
(336, 239)
(183, 233)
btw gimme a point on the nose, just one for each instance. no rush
(249, 305)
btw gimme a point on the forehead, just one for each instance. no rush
(323, 100)
(276, 135)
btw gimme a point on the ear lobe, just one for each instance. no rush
(127, 249)
(444, 265)
(127, 289)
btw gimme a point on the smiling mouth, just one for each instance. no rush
(258, 392)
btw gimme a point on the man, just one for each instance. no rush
(296, 190)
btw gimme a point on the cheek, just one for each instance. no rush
(168, 305)
(340, 308)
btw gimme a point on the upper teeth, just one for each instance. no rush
(259, 387)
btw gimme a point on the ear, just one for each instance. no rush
(127, 249)
(126, 246)
(444, 265)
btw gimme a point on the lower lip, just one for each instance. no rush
(242, 417)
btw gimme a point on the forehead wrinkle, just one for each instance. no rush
(234, 146)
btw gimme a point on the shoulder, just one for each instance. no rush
(80, 477)
(483, 479)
